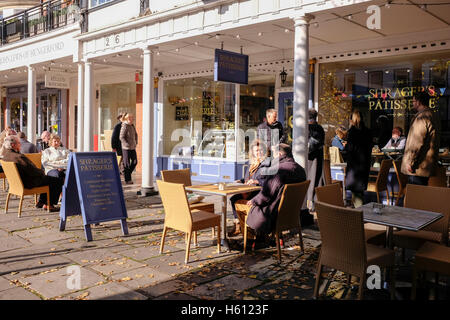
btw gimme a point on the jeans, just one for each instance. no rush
(129, 163)
(55, 187)
(61, 175)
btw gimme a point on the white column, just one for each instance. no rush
(80, 108)
(31, 110)
(88, 107)
(147, 187)
(237, 124)
(301, 90)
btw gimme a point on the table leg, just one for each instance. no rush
(390, 235)
(224, 242)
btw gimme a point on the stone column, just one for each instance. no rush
(301, 90)
(80, 108)
(31, 110)
(88, 136)
(147, 186)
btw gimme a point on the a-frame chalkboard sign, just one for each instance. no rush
(93, 189)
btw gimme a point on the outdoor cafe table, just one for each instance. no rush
(230, 189)
(399, 217)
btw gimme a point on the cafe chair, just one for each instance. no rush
(402, 181)
(427, 198)
(184, 176)
(289, 213)
(344, 246)
(179, 216)
(327, 174)
(3, 176)
(440, 177)
(36, 158)
(332, 194)
(380, 184)
(430, 257)
(16, 186)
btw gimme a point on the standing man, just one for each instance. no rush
(129, 139)
(115, 141)
(271, 127)
(315, 154)
(422, 145)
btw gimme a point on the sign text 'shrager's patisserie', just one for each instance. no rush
(399, 98)
(95, 164)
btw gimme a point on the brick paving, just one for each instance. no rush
(36, 260)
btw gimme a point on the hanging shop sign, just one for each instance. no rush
(93, 189)
(57, 80)
(230, 67)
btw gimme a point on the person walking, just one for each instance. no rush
(115, 141)
(359, 152)
(129, 139)
(315, 155)
(422, 145)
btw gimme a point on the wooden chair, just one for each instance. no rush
(381, 183)
(16, 186)
(332, 194)
(430, 257)
(344, 247)
(179, 216)
(427, 198)
(402, 181)
(440, 178)
(289, 213)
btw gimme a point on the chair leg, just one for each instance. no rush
(188, 247)
(35, 199)
(218, 238)
(318, 276)
(245, 238)
(300, 236)
(20, 206)
(163, 238)
(378, 197)
(4, 184)
(362, 282)
(7, 202)
(213, 233)
(48, 201)
(195, 239)
(349, 279)
(392, 276)
(414, 283)
(387, 196)
(277, 239)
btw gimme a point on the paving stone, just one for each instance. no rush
(5, 284)
(55, 283)
(116, 266)
(163, 288)
(205, 274)
(224, 287)
(13, 242)
(92, 256)
(141, 277)
(18, 293)
(146, 252)
(176, 296)
(3, 233)
(109, 291)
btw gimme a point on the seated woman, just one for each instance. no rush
(55, 158)
(397, 141)
(257, 155)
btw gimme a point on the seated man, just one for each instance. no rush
(31, 176)
(262, 209)
(397, 141)
(26, 146)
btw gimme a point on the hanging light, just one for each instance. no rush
(283, 76)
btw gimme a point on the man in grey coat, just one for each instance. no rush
(26, 146)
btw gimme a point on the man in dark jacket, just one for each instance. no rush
(115, 141)
(271, 127)
(31, 176)
(263, 208)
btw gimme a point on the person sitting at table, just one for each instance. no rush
(44, 142)
(55, 158)
(252, 176)
(7, 133)
(397, 141)
(31, 176)
(262, 209)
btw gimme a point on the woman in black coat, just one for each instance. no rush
(359, 152)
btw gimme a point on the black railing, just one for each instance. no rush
(45, 17)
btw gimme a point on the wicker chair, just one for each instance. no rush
(327, 174)
(332, 194)
(179, 216)
(16, 186)
(36, 158)
(431, 257)
(381, 182)
(402, 181)
(431, 199)
(344, 247)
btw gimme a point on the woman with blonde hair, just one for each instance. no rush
(55, 158)
(358, 154)
(129, 139)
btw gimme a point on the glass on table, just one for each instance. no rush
(376, 207)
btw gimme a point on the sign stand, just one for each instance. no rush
(93, 189)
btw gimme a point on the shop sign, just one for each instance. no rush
(57, 80)
(93, 189)
(230, 67)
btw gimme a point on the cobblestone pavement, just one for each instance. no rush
(36, 261)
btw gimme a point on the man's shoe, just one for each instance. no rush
(129, 182)
(52, 208)
(39, 205)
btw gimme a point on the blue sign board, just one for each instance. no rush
(230, 67)
(93, 189)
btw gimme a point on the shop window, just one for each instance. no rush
(95, 3)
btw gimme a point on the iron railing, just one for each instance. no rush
(45, 17)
